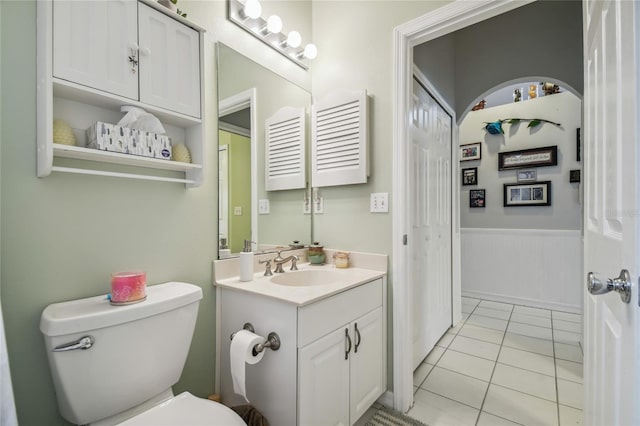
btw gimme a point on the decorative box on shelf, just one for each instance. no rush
(113, 138)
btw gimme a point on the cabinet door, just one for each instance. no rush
(367, 369)
(323, 381)
(92, 42)
(169, 63)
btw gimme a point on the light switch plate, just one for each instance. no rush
(318, 205)
(237, 211)
(379, 202)
(306, 206)
(263, 206)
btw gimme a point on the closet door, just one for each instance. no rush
(169, 63)
(92, 43)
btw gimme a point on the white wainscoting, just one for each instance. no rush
(533, 267)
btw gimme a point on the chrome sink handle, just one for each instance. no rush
(82, 343)
(294, 263)
(267, 271)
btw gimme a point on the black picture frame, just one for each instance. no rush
(477, 198)
(527, 194)
(526, 158)
(578, 145)
(574, 176)
(471, 151)
(469, 176)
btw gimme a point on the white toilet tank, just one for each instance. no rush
(138, 350)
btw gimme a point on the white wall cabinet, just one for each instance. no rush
(316, 370)
(93, 58)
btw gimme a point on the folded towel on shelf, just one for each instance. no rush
(250, 415)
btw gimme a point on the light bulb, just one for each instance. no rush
(252, 9)
(274, 24)
(294, 39)
(310, 51)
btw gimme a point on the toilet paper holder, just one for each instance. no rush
(273, 340)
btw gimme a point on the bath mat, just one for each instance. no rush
(388, 417)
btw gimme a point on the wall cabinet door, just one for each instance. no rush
(366, 375)
(323, 381)
(92, 42)
(169, 63)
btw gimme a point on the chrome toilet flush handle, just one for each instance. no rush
(82, 343)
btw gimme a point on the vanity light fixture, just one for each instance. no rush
(252, 9)
(293, 40)
(310, 52)
(247, 15)
(274, 25)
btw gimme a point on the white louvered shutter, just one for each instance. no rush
(285, 149)
(339, 139)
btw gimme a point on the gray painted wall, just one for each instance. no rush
(565, 210)
(541, 40)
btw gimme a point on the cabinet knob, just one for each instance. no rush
(145, 51)
(133, 46)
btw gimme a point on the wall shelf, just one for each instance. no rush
(89, 154)
(81, 92)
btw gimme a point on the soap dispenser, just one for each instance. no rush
(246, 262)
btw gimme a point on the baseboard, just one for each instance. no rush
(564, 307)
(386, 399)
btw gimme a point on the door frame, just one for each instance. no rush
(452, 17)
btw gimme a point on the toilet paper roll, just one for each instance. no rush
(241, 354)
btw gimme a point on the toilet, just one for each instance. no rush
(116, 364)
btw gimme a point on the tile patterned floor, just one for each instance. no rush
(503, 365)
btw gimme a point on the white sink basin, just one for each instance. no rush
(304, 278)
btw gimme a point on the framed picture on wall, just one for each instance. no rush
(476, 198)
(527, 194)
(470, 176)
(535, 157)
(471, 151)
(530, 175)
(574, 176)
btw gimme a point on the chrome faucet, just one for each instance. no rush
(279, 261)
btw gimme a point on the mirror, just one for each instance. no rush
(248, 94)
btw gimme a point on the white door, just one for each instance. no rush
(367, 382)
(92, 43)
(611, 353)
(169, 63)
(323, 380)
(430, 234)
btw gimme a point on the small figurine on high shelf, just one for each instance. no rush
(480, 105)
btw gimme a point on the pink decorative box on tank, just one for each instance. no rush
(128, 287)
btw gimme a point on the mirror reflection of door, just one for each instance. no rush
(235, 186)
(223, 204)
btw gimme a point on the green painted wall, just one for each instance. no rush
(239, 187)
(63, 235)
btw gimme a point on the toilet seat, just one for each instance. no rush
(186, 409)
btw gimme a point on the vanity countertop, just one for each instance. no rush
(345, 278)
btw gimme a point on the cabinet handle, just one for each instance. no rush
(347, 341)
(358, 338)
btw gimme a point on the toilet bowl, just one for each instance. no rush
(186, 409)
(116, 364)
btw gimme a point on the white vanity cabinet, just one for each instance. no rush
(95, 57)
(341, 373)
(331, 364)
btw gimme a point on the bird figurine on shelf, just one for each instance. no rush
(480, 105)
